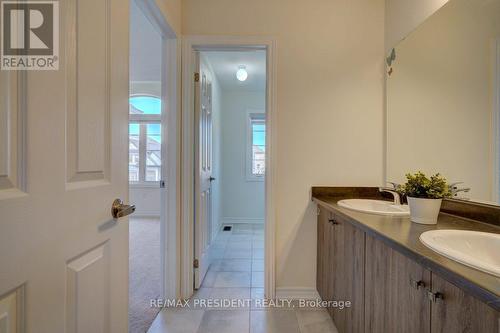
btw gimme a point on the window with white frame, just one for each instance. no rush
(256, 146)
(144, 139)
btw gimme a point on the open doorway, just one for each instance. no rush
(151, 114)
(496, 121)
(239, 263)
(230, 168)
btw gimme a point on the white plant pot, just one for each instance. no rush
(424, 211)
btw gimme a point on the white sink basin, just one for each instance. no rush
(379, 207)
(479, 250)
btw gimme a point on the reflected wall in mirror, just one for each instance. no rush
(443, 100)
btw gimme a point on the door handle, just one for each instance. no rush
(118, 209)
(211, 179)
(417, 284)
(434, 297)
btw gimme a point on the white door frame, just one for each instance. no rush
(495, 123)
(169, 225)
(190, 44)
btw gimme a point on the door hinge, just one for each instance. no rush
(196, 263)
(318, 211)
(196, 77)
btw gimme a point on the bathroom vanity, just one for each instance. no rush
(394, 282)
(442, 116)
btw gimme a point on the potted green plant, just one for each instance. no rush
(424, 196)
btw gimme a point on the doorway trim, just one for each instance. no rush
(190, 44)
(170, 198)
(496, 120)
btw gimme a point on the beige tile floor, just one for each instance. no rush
(238, 273)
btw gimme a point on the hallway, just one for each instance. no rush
(238, 274)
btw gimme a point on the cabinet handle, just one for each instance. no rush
(433, 297)
(417, 284)
(332, 221)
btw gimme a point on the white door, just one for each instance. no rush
(63, 258)
(203, 169)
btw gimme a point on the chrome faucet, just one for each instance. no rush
(392, 190)
(454, 189)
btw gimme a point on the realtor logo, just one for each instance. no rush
(30, 35)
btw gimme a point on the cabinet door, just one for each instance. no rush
(347, 266)
(459, 312)
(393, 301)
(323, 253)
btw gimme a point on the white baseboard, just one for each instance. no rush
(145, 213)
(236, 220)
(297, 293)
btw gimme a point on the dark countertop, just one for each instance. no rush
(403, 235)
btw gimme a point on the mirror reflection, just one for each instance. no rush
(443, 100)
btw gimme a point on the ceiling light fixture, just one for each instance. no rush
(241, 73)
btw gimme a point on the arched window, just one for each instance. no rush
(144, 139)
(145, 104)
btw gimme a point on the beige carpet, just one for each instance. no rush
(144, 272)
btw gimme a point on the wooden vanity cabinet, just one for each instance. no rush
(347, 269)
(460, 312)
(390, 293)
(324, 252)
(402, 296)
(395, 297)
(341, 269)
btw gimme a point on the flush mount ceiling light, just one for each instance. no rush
(241, 73)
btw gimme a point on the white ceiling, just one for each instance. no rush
(225, 64)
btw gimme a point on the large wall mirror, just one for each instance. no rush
(443, 100)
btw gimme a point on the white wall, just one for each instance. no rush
(145, 47)
(403, 16)
(242, 201)
(329, 104)
(171, 10)
(146, 200)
